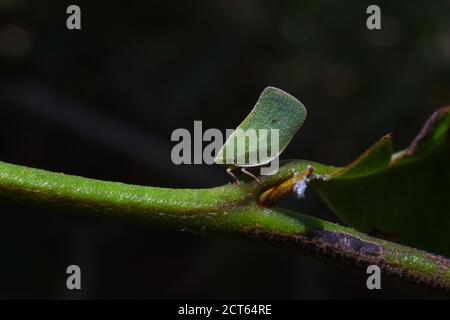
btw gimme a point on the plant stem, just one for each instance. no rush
(227, 209)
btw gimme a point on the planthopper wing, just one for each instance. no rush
(265, 132)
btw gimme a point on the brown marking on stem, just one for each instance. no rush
(276, 193)
(361, 252)
(347, 243)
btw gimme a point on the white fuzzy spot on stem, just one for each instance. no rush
(300, 187)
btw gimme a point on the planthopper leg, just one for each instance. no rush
(229, 171)
(244, 171)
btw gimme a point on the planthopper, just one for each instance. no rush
(264, 133)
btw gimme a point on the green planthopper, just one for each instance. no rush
(264, 133)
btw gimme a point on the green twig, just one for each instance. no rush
(228, 209)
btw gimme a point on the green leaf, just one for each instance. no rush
(403, 196)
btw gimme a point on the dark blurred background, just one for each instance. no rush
(103, 101)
